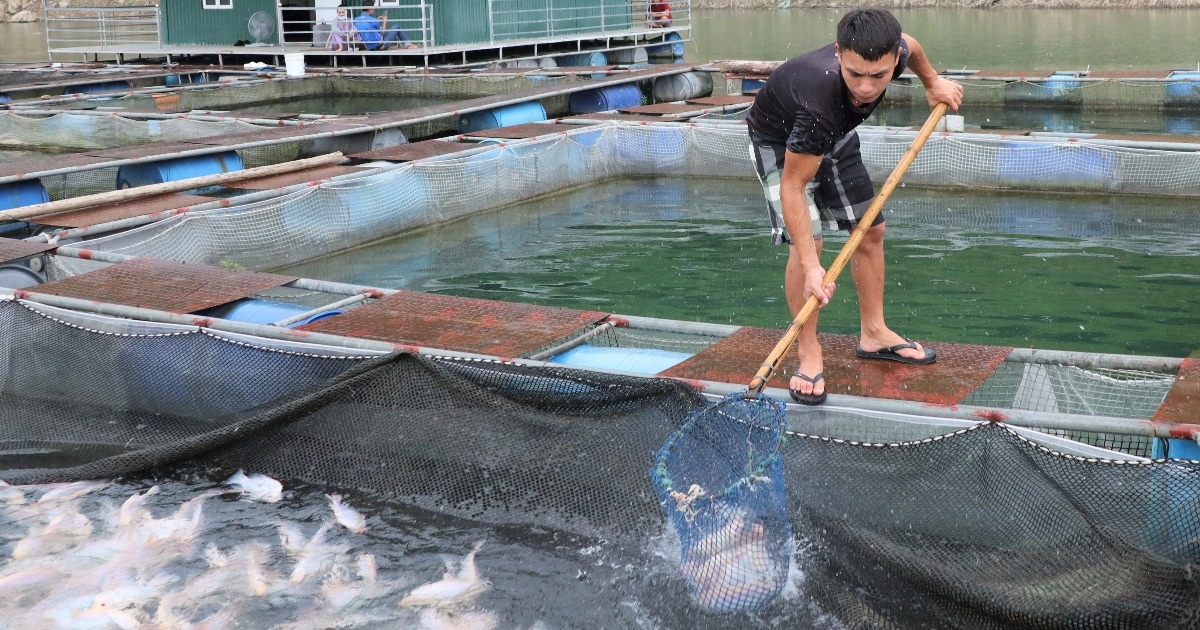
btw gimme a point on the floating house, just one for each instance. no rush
(439, 32)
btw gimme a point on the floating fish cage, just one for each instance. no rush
(1066, 90)
(324, 218)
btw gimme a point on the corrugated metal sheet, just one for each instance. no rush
(188, 22)
(460, 21)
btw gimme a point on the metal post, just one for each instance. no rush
(279, 31)
(491, 24)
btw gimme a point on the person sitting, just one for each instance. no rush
(658, 15)
(343, 35)
(375, 34)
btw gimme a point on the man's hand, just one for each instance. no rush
(814, 284)
(943, 90)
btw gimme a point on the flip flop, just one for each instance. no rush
(809, 399)
(891, 353)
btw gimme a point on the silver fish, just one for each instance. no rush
(256, 486)
(454, 587)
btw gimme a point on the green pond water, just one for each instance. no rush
(1064, 272)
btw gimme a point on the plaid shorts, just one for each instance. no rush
(837, 197)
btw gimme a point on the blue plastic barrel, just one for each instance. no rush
(1182, 89)
(105, 86)
(252, 311)
(671, 47)
(23, 193)
(4, 98)
(186, 79)
(519, 113)
(1040, 165)
(175, 169)
(1060, 88)
(605, 99)
(594, 58)
(637, 360)
(749, 85)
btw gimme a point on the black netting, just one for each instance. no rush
(977, 529)
(986, 529)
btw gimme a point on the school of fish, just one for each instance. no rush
(144, 564)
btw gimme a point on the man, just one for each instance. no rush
(807, 155)
(658, 14)
(374, 32)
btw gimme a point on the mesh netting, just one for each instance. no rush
(79, 132)
(983, 528)
(1066, 92)
(720, 479)
(899, 521)
(335, 215)
(237, 94)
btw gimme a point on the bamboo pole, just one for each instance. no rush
(129, 194)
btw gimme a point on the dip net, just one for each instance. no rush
(926, 524)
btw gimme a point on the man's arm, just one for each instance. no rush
(938, 89)
(798, 170)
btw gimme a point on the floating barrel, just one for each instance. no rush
(18, 276)
(1045, 165)
(186, 79)
(681, 87)
(254, 311)
(23, 193)
(749, 85)
(519, 113)
(106, 86)
(4, 98)
(605, 99)
(175, 169)
(638, 360)
(672, 46)
(1182, 89)
(1060, 88)
(1172, 491)
(629, 56)
(595, 58)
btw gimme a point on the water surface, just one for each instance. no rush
(1062, 272)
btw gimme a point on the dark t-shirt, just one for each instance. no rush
(805, 103)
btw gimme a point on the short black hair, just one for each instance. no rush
(872, 33)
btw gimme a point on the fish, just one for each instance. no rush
(257, 486)
(67, 528)
(346, 515)
(732, 567)
(133, 510)
(316, 557)
(454, 587)
(71, 491)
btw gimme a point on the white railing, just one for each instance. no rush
(95, 27)
(311, 27)
(517, 19)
